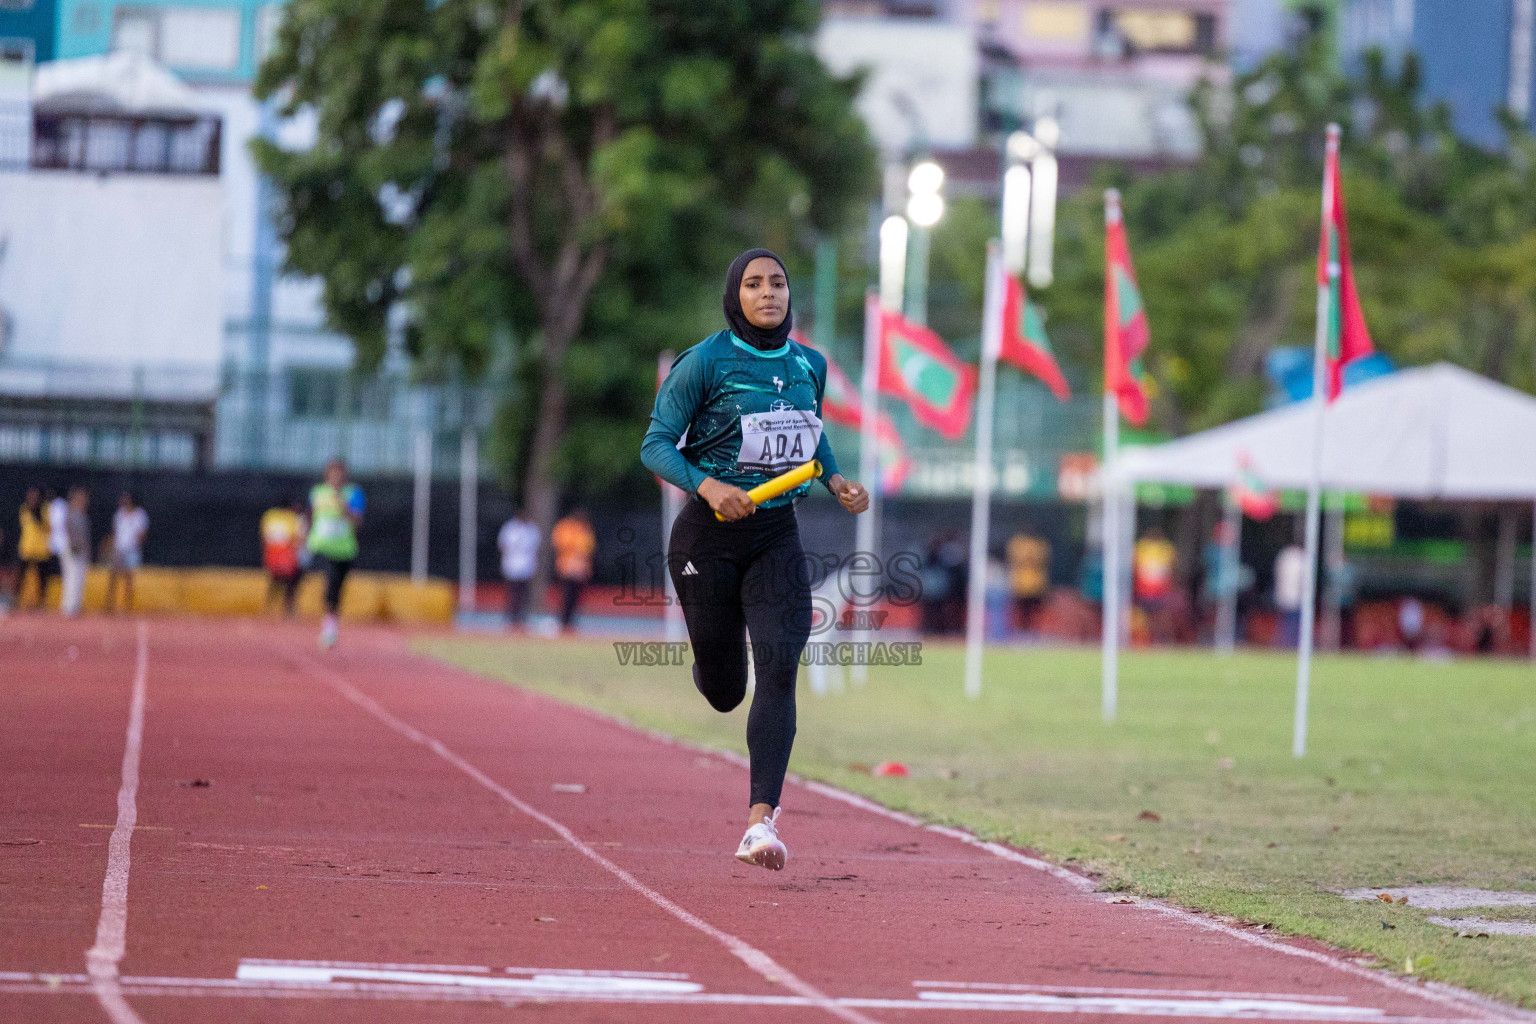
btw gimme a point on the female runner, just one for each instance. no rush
(737, 409)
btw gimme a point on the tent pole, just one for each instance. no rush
(1231, 570)
(1110, 493)
(981, 494)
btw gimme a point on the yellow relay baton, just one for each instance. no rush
(782, 483)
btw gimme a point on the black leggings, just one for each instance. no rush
(336, 570)
(732, 579)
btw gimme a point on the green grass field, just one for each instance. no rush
(1418, 773)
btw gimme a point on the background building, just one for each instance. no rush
(162, 278)
(1474, 57)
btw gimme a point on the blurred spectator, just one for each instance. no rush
(954, 555)
(1029, 576)
(519, 545)
(574, 545)
(282, 542)
(935, 584)
(32, 550)
(76, 557)
(1410, 622)
(129, 525)
(58, 537)
(1152, 566)
(336, 511)
(1290, 584)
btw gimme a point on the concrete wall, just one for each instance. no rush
(118, 270)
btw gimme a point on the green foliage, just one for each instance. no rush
(1225, 250)
(572, 174)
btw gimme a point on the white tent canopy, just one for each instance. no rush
(117, 83)
(1431, 432)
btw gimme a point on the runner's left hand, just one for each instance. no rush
(853, 496)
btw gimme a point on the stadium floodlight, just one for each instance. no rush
(893, 261)
(926, 178)
(925, 208)
(1042, 219)
(1015, 217)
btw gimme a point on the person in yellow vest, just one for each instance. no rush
(32, 547)
(574, 545)
(1029, 576)
(336, 511)
(1152, 564)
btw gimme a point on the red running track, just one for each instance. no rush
(367, 835)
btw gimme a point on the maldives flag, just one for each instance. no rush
(839, 399)
(894, 462)
(1024, 342)
(1248, 493)
(1126, 334)
(917, 367)
(1347, 338)
(840, 403)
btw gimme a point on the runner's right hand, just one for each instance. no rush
(729, 501)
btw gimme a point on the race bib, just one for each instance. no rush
(779, 440)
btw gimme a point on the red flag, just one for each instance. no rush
(1024, 342)
(1248, 493)
(1126, 334)
(894, 462)
(840, 403)
(917, 367)
(840, 398)
(1347, 338)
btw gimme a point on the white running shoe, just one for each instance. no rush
(762, 845)
(328, 633)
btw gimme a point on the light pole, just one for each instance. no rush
(925, 206)
(1029, 221)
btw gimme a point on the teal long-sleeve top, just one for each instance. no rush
(719, 386)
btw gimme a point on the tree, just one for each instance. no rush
(569, 173)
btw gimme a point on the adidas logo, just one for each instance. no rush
(689, 570)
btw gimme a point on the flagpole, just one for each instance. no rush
(1314, 480)
(866, 526)
(981, 492)
(1110, 493)
(1111, 497)
(1231, 573)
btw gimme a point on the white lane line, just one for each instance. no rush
(101, 960)
(753, 957)
(374, 990)
(538, 984)
(1268, 1009)
(1103, 990)
(353, 964)
(1438, 992)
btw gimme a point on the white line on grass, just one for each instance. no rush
(753, 957)
(101, 960)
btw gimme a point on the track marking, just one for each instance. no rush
(1100, 990)
(101, 960)
(218, 988)
(1439, 992)
(534, 985)
(753, 957)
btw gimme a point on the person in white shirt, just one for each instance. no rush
(129, 525)
(1290, 585)
(76, 556)
(519, 544)
(58, 533)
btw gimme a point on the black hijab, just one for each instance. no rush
(743, 328)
